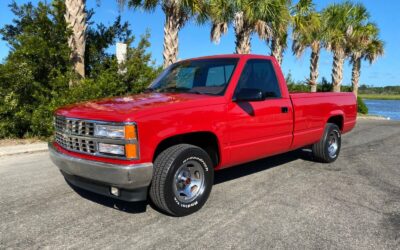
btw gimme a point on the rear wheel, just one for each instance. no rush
(182, 179)
(328, 148)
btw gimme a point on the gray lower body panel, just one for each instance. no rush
(98, 177)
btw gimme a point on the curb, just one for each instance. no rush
(23, 149)
(370, 117)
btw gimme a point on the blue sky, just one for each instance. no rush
(194, 39)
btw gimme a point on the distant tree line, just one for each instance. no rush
(387, 90)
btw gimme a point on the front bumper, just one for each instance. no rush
(98, 177)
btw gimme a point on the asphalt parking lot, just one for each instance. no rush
(286, 201)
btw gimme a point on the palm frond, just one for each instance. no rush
(264, 30)
(217, 30)
(298, 48)
(374, 50)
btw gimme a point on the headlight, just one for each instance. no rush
(109, 131)
(125, 138)
(128, 150)
(111, 149)
(116, 132)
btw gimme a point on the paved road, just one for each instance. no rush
(282, 202)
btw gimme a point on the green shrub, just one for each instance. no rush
(35, 76)
(346, 88)
(299, 87)
(296, 86)
(324, 86)
(361, 107)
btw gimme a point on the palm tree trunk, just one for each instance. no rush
(315, 49)
(171, 29)
(243, 34)
(277, 49)
(337, 70)
(243, 45)
(75, 16)
(355, 74)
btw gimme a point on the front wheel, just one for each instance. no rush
(328, 148)
(182, 179)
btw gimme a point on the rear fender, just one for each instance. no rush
(334, 113)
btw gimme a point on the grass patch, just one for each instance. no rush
(380, 96)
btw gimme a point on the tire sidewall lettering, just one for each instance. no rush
(203, 163)
(183, 205)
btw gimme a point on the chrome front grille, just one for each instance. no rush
(75, 143)
(75, 135)
(74, 126)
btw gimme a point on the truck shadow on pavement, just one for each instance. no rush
(235, 172)
(129, 207)
(221, 176)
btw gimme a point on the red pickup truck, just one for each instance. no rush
(199, 116)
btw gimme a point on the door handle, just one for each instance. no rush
(284, 109)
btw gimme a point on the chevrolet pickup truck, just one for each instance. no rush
(199, 116)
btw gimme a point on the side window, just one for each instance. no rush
(219, 75)
(259, 74)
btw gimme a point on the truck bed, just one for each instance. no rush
(312, 111)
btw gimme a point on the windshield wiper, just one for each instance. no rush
(179, 90)
(192, 91)
(149, 90)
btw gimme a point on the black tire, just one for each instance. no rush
(323, 150)
(166, 167)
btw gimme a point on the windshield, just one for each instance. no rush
(209, 77)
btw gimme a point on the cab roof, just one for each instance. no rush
(222, 56)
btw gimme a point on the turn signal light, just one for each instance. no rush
(131, 151)
(130, 132)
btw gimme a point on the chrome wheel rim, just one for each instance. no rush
(189, 181)
(333, 144)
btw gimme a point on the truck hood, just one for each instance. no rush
(129, 108)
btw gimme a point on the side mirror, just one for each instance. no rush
(249, 95)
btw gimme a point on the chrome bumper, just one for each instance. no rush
(122, 176)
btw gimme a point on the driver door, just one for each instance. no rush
(259, 128)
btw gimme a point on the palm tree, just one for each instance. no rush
(278, 46)
(280, 27)
(339, 20)
(177, 13)
(75, 16)
(307, 32)
(247, 16)
(364, 44)
(221, 13)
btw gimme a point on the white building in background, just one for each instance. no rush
(121, 52)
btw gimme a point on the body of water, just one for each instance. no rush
(387, 108)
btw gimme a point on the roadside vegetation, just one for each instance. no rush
(35, 77)
(380, 93)
(380, 96)
(58, 55)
